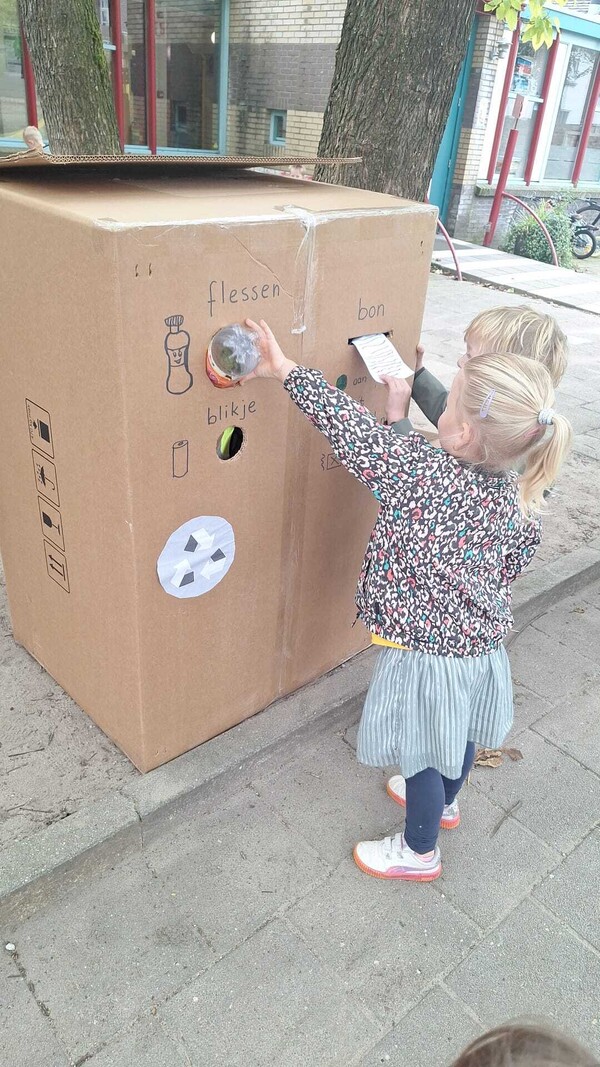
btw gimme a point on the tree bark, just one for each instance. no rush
(396, 70)
(72, 76)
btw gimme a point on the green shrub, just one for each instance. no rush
(526, 238)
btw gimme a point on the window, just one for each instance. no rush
(13, 108)
(571, 113)
(278, 127)
(590, 172)
(173, 71)
(187, 35)
(103, 13)
(528, 79)
(187, 89)
(134, 70)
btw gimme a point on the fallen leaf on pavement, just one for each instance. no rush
(488, 757)
(493, 757)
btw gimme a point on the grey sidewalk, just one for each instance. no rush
(241, 933)
(55, 764)
(542, 281)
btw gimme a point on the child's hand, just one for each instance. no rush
(420, 357)
(273, 363)
(398, 398)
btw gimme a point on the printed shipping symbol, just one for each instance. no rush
(45, 477)
(51, 523)
(40, 428)
(56, 565)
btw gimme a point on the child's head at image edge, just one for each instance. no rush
(520, 330)
(525, 1044)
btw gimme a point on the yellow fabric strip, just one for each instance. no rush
(375, 640)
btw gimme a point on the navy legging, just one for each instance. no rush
(426, 794)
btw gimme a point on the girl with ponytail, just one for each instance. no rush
(456, 525)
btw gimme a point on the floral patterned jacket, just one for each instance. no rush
(449, 537)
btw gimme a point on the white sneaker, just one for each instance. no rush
(392, 858)
(396, 788)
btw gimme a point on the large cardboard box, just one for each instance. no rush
(113, 282)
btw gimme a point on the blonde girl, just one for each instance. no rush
(454, 529)
(521, 330)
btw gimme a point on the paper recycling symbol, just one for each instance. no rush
(196, 557)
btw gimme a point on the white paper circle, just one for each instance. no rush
(196, 557)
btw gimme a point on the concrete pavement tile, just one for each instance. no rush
(529, 707)
(328, 797)
(575, 727)
(571, 891)
(145, 1044)
(592, 594)
(387, 940)
(270, 1002)
(234, 868)
(97, 958)
(587, 445)
(548, 792)
(533, 965)
(432, 1033)
(573, 622)
(578, 389)
(27, 1036)
(479, 873)
(552, 673)
(582, 419)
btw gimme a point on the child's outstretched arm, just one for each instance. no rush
(427, 392)
(397, 405)
(371, 452)
(429, 395)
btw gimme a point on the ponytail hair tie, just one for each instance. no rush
(546, 417)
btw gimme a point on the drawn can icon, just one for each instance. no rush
(180, 459)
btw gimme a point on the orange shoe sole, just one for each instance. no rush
(418, 876)
(446, 824)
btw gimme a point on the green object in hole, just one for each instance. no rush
(225, 442)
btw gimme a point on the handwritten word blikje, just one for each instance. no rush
(231, 410)
(380, 356)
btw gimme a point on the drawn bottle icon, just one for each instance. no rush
(177, 347)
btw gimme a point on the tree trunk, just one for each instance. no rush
(72, 76)
(396, 70)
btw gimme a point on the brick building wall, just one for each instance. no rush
(468, 214)
(281, 58)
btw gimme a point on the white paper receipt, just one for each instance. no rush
(380, 356)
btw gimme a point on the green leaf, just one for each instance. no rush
(512, 18)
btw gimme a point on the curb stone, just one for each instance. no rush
(99, 835)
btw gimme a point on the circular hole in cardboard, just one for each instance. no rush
(230, 442)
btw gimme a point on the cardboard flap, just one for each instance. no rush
(33, 158)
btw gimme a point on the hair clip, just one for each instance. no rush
(546, 417)
(484, 410)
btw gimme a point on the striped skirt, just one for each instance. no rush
(421, 710)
